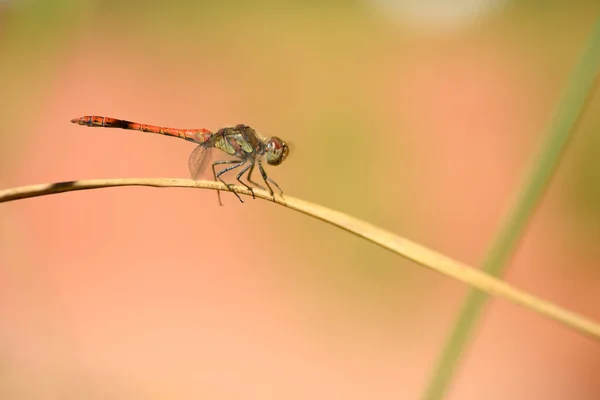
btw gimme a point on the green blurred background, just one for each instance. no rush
(420, 117)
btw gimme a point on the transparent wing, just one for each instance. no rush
(199, 163)
(201, 160)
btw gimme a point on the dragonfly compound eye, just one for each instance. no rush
(277, 151)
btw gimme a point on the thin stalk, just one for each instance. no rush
(566, 116)
(403, 247)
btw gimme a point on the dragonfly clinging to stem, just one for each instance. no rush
(241, 141)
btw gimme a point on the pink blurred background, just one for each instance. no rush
(420, 118)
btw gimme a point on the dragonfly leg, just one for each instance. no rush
(276, 185)
(239, 176)
(250, 178)
(267, 180)
(218, 175)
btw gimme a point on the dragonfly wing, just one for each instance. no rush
(198, 163)
(201, 160)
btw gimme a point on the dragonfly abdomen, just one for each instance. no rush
(192, 135)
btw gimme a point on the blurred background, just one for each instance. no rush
(417, 116)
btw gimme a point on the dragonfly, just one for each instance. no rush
(242, 144)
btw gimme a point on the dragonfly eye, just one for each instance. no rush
(277, 151)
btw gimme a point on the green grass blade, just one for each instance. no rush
(565, 118)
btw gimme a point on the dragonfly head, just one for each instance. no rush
(277, 151)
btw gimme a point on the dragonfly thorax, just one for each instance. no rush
(241, 141)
